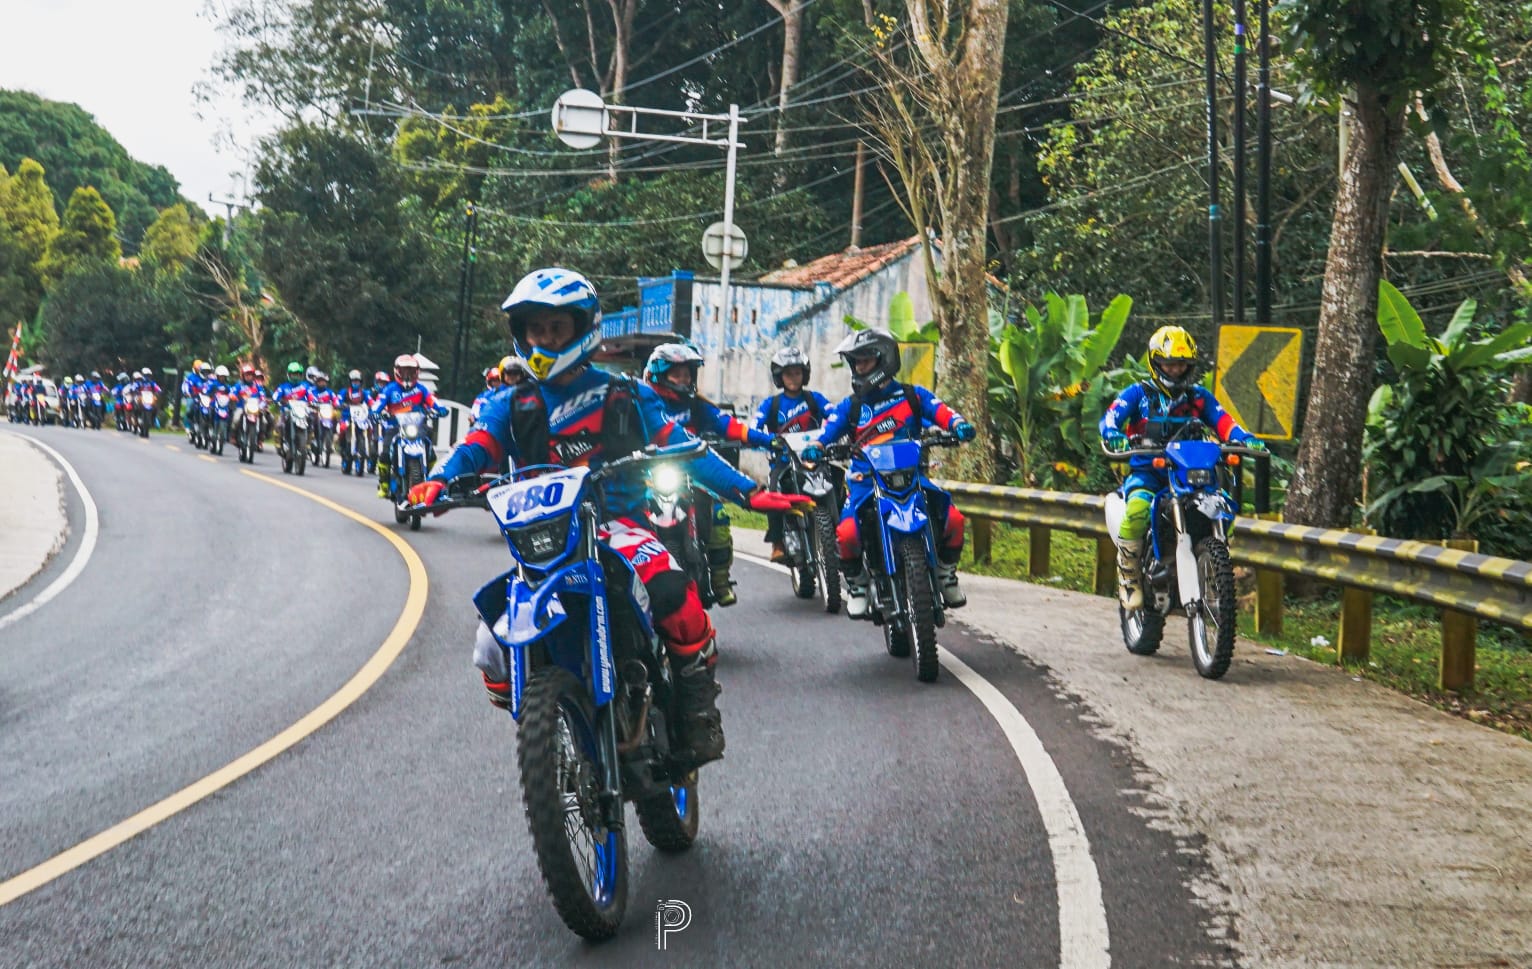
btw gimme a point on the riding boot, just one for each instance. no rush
(696, 705)
(384, 473)
(953, 596)
(1130, 586)
(720, 559)
(856, 588)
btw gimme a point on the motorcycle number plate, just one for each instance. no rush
(522, 502)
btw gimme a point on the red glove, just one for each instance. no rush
(776, 501)
(426, 492)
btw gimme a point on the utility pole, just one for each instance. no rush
(1239, 161)
(229, 205)
(856, 197)
(464, 295)
(1215, 213)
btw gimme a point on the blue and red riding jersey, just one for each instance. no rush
(1141, 403)
(886, 414)
(576, 412)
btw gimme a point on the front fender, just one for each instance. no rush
(907, 516)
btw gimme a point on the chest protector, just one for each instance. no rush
(773, 416)
(619, 432)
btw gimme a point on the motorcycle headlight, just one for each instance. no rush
(667, 480)
(899, 480)
(411, 431)
(542, 541)
(1199, 476)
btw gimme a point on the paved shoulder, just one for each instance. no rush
(1351, 825)
(32, 520)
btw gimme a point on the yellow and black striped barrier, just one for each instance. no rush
(1457, 579)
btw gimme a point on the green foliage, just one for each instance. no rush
(29, 223)
(77, 152)
(171, 241)
(1049, 386)
(1397, 47)
(1445, 455)
(105, 317)
(1126, 187)
(87, 234)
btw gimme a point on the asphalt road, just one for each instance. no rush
(859, 818)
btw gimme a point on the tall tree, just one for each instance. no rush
(1375, 57)
(935, 118)
(87, 234)
(171, 241)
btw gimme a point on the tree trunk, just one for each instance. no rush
(617, 68)
(791, 12)
(1324, 486)
(961, 292)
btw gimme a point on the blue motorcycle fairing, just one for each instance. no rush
(893, 456)
(1189, 455)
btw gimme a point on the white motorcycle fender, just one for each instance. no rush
(1186, 571)
(1116, 509)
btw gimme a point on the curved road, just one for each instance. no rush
(859, 818)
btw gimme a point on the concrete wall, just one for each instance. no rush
(738, 357)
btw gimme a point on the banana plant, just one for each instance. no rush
(1049, 385)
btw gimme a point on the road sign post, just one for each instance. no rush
(582, 119)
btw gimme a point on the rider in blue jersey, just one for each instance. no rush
(572, 414)
(672, 372)
(795, 409)
(881, 409)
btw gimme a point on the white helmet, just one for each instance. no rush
(221, 372)
(667, 357)
(555, 289)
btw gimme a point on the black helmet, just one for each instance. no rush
(789, 357)
(865, 343)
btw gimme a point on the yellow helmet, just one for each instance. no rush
(197, 365)
(1172, 344)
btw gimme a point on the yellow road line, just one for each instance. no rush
(208, 458)
(173, 447)
(370, 673)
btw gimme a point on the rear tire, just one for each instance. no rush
(920, 606)
(556, 753)
(670, 820)
(1212, 628)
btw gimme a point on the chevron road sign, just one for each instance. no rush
(1258, 378)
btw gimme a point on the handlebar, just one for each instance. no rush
(1120, 457)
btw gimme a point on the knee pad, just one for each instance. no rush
(1135, 520)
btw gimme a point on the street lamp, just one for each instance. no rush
(582, 119)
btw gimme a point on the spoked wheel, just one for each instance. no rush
(826, 562)
(583, 862)
(1142, 630)
(920, 606)
(670, 819)
(802, 574)
(1212, 624)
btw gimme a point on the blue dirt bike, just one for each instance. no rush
(899, 548)
(1185, 565)
(411, 454)
(590, 690)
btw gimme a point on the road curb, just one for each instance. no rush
(33, 522)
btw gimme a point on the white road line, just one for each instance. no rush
(1084, 940)
(81, 556)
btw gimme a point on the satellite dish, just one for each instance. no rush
(713, 247)
(579, 118)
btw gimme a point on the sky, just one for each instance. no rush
(133, 66)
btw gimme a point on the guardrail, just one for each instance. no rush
(1466, 585)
